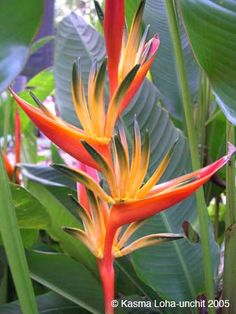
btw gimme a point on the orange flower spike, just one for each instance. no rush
(133, 51)
(137, 201)
(114, 19)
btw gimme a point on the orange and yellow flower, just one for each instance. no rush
(128, 63)
(126, 49)
(130, 200)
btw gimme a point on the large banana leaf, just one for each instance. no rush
(181, 262)
(68, 278)
(164, 72)
(75, 38)
(57, 201)
(50, 303)
(19, 21)
(29, 212)
(212, 32)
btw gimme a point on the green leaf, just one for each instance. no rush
(55, 153)
(29, 211)
(190, 232)
(46, 175)
(68, 278)
(62, 212)
(29, 237)
(19, 23)
(130, 9)
(210, 25)
(50, 303)
(216, 139)
(78, 39)
(42, 85)
(164, 71)
(14, 247)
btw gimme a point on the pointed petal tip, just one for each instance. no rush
(155, 44)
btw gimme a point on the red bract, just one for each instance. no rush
(8, 166)
(114, 19)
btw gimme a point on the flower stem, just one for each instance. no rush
(202, 112)
(107, 275)
(188, 111)
(106, 270)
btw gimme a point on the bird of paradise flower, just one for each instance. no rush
(129, 199)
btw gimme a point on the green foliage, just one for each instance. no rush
(164, 71)
(211, 29)
(50, 303)
(63, 264)
(58, 202)
(68, 278)
(13, 245)
(29, 212)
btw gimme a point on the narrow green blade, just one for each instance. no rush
(13, 246)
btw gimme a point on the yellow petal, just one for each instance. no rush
(81, 236)
(151, 239)
(131, 229)
(86, 180)
(141, 171)
(156, 175)
(129, 55)
(79, 100)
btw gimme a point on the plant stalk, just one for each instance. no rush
(230, 180)
(106, 270)
(202, 116)
(229, 284)
(192, 136)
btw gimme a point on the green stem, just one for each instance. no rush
(230, 180)
(216, 216)
(14, 247)
(188, 111)
(229, 283)
(202, 112)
